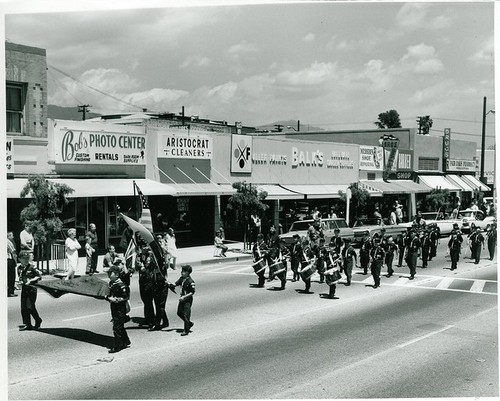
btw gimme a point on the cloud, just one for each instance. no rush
(242, 49)
(485, 54)
(412, 16)
(314, 75)
(421, 60)
(195, 61)
(308, 38)
(109, 80)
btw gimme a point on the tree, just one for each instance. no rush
(247, 201)
(437, 200)
(41, 215)
(359, 199)
(389, 119)
(424, 125)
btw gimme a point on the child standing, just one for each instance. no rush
(186, 300)
(119, 294)
(28, 274)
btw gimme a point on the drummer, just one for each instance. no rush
(332, 273)
(259, 252)
(295, 251)
(307, 263)
(280, 264)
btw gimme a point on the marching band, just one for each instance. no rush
(310, 254)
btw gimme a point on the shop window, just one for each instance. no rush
(15, 107)
(428, 163)
(370, 176)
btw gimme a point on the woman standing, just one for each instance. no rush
(171, 247)
(72, 246)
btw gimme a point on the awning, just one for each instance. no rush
(98, 187)
(475, 183)
(456, 179)
(394, 187)
(275, 192)
(439, 182)
(207, 189)
(317, 191)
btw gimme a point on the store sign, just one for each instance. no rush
(241, 154)
(403, 166)
(10, 155)
(460, 165)
(99, 147)
(446, 143)
(371, 158)
(182, 145)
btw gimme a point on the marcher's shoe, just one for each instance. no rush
(127, 343)
(375, 286)
(412, 277)
(24, 328)
(12, 295)
(191, 324)
(38, 324)
(165, 324)
(96, 271)
(348, 283)
(184, 333)
(127, 318)
(154, 328)
(115, 349)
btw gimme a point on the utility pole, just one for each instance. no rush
(84, 108)
(482, 178)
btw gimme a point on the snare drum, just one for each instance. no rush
(276, 268)
(308, 271)
(332, 276)
(259, 266)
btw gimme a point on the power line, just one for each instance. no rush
(63, 87)
(97, 90)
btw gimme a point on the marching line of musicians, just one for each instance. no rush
(311, 254)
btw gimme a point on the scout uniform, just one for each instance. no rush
(364, 253)
(455, 247)
(349, 260)
(119, 294)
(377, 254)
(295, 256)
(28, 274)
(491, 235)
(186, 299)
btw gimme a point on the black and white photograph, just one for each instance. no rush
(249, 200)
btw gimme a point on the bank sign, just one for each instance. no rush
(76, 146)
(181, 145)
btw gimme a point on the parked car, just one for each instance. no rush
(373, 226)
(329, 225)
(477, 217)
(445, 223)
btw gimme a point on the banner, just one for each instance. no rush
(76, 146)
(460, 165)
(89, 286)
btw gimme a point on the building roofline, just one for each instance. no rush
(25, 49)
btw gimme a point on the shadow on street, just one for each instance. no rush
(80, 335)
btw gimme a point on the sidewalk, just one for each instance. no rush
(194, 256)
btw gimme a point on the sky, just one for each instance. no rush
(332, 65)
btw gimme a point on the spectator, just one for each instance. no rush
(72, 246)
(171, 248)
(376, 213)
(399, 212)
(26, 238)
(11, 265)
(393, 218)
(109, 258)
(91, 250)
(219, 243)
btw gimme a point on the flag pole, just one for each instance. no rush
(135, 203)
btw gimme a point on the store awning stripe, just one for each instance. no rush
(207, 189)
(394, 187)
(475, 183)
(439, 182)
(275, 192)
(98, 187)
(317, 191)
(457, 180)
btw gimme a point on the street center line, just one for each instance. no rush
(424, 336)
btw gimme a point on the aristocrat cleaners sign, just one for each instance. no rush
(86, 146)
(180, 145)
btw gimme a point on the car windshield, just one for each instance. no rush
(300, 226)
(467, 213)
(367, 222)
(341, 223)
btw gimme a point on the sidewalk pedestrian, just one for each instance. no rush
(219, 243)
(26, 238)
(11, 265)
(91, 248)
(71, 245)
(118, 297)
(491, 235)
(186, 300)
(28, 275)
(171, 248)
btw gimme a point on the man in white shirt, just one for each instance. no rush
(26, 239)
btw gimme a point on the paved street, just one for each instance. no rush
(435, 336)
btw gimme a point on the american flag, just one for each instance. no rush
(145, 216)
